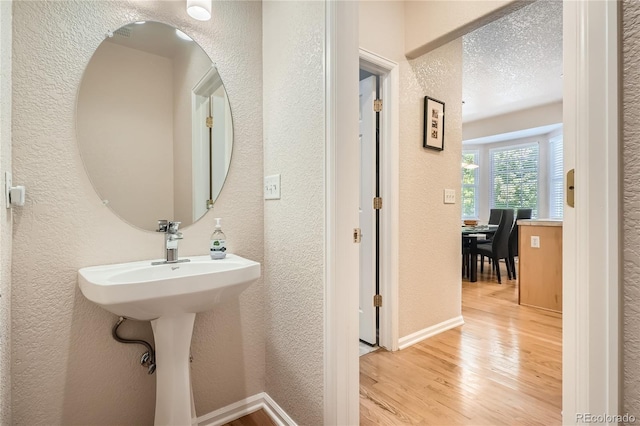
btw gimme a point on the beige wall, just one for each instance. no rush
(293, 36)
(125, 124)
(631, 205)
(66, 367)
(430, 257)
(429, 284)
(388, 40)
(433, 23)
(5, 215)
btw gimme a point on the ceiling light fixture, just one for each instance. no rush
(469, 166)
(199, 9)
(182, 35)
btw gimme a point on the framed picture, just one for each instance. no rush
(433, 124)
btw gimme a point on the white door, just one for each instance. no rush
(367, 214)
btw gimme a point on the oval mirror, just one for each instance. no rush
(154, 125)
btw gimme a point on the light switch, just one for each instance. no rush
(535, 241)
(272, 187)
(449, 196)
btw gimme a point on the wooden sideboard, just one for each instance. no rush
(540, 269)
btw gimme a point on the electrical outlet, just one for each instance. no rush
(449, 196)
(272, 187)
(535, 241)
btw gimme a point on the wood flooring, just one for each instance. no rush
(502, 367)
(257, 418)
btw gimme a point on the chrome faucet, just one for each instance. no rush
(172, 235)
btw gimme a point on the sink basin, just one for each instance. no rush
(170, 296)
(141, 291)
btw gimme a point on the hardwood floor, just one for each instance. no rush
(503, 366)
(257, 418)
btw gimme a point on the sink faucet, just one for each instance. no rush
(172, 235)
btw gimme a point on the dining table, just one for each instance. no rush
(470, 235)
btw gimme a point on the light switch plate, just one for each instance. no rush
(535, 241)
(449, 196)
(272, 187)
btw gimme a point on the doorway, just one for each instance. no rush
(383, 220)
(590, 384)
(369, 211)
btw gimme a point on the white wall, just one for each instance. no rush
(529, 118)
(5, 215)
(294, 144)
(631, 205)
(67, 369)
(125, 123)
(429, 258)
(433, 23)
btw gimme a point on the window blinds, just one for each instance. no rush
(556, 179)
(514, 177)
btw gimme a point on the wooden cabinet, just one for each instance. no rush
(540, 268)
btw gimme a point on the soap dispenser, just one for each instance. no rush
(218, 242)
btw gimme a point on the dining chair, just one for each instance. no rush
(494, 219)
(513, 239)
(494, 216)
(498, 248)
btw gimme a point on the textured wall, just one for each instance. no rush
(293, 35)
(66, 367)
(429, 230)
(631, 204)
(5, 215)
(429, 284)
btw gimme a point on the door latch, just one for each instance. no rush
(357, 235)
(571, 188)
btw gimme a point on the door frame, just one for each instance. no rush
(342, 180)
(388, 72)
(591, 247)
(591, 272)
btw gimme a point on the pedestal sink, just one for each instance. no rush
(170, 296)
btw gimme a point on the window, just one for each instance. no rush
(469, 191)
(556, 178)
(514, 177)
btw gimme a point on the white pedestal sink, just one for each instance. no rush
(170, 296)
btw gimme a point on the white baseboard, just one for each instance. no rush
(242, 408)
(419, 336)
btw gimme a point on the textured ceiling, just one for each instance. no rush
(514, 62)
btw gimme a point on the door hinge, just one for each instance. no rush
(210, 122)
(377, 203)
(571, 188)
(377, 105)
(357, 235)
(377, 300)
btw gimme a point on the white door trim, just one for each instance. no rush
(341, 363)
(389, 139)
(591, 272)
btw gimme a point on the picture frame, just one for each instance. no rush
(433, 124)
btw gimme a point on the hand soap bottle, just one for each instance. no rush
(218, 242)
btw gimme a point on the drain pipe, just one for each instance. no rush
(148, 359)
